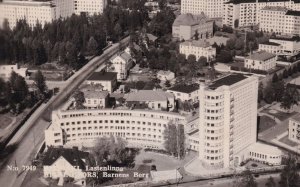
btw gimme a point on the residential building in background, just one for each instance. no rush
(288, 46)
(95, 99)
(212, 9)
(185, 93)
(279, 20)
(43, 12)
(186, 26)
(108, 80)
(198, 48)
(294, 129)
(240, 13)
(6, 70)
(65, 162)
(150, 99)
(227, 119)
(32, 11)
(89, 7)
(261, 61)
(121, 64)
(165, 75)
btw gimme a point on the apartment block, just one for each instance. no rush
(228, 119)
(198, 48)
(240, 13)
(294, 129)
(261, 61)
(212, 9)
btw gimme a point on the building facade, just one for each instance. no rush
(198, 48)
(32, 11)
(46, 11)
(108, 80)
(294, 129)
(279, 20)
(184, 93)
(6, 70)
(95, 99)
(287, 46)
(261, 61)
(121, 64)
(212, 9)
(227, 119)
(151, 99)
(141, 128)
(240, 13)
(89, 7)
(186, 26)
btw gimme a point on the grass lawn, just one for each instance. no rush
(162, 162)
(5, 120)
(287, 141)
(282, 115)
(265, 123)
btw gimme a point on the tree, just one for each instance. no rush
(290, 72)
(191, 59)
(118, 31)
(79, 99)
(271, 182)
(278, 89)
(202, 61)
(289, 176)
(236, 23)
(168, 84)
(40, 83)
(275, 78)
(269, 94)
(196, 35)
(247, 179)
(175, 140)
(290, 97)
(92, 46)
(224, 57)
(285, 74)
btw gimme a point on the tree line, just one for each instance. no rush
(15, 95)
(64, 40)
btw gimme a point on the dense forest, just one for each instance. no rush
(67, 40)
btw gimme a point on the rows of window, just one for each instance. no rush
(154, 124)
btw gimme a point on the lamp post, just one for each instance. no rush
(177, 180)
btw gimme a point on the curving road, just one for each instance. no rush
(30, 137)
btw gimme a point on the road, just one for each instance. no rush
(226, 182)
(29, 138)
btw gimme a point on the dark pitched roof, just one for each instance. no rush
(227, 81)
(293, 13)
(294, 38)
(270, 43)
(73, 156)
(103, 76)
(185, 88)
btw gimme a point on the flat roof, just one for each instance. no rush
(103, 76)
(197, 43)
(148, 95)
(185, 88)
(294, 38)
(261, 56)
(275, 8)
(227, 81)
(293, 13)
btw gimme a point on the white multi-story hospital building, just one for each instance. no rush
(224, 134)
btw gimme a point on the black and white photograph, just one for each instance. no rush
(149, 93)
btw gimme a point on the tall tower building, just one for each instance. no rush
(211, 8)
(228, 119)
